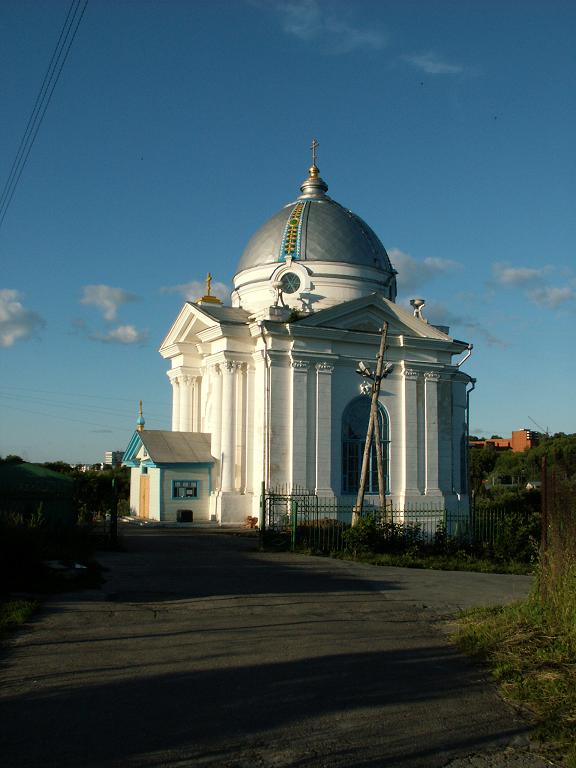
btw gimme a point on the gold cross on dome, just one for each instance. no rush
(314, 146)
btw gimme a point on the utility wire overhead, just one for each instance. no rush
(43, 99)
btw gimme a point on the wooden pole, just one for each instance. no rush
(370, 432)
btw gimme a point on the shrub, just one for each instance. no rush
(363, 537)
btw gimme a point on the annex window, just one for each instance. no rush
(185, 489)
(354, 427)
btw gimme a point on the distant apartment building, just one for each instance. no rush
(113, 458)
(520, 440)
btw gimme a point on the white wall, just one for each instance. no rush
(199, 505)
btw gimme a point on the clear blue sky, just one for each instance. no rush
(179, 127)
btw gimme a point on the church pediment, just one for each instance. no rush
(194, 319)
(368, 314)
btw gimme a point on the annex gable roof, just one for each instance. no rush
(164, 447)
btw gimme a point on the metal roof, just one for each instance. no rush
(320, 229)
(223, 314)
(165, 447)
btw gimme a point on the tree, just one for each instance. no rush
(482, 462)
(12, 459)
(60, 466)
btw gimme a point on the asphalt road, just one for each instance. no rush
(201, 651)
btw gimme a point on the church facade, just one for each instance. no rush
(268, 389)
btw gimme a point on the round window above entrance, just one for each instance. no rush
(290, 282)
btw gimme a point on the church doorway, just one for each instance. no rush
(144, 506)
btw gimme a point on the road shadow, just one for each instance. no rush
(167, 565)
(347, 709)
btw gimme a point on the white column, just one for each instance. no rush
(240, 431)
(228, 426)
(197, 405)
(258, 427)
(410, 432)
(249, 407)
(175, 404)
(185, 403)
(299, 422)
(431, 379)
(214, 425)
(324, 428)
(279, 421)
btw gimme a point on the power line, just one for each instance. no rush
(95, 409)
(43, 99)
(68, 418)
(78, 394)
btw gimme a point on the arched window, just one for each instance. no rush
(354, 427)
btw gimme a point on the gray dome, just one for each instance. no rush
(315, 228)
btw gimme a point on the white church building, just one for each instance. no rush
(265, 391)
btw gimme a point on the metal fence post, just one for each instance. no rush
(113, 533)
(294, 516)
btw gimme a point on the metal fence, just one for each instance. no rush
(302, 519)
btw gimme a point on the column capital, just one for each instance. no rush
(432, 376)
(411, 373)
(299, 365)
(324, 367)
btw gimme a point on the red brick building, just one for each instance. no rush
(520, 440)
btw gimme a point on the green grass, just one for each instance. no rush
(456, 562)
(14, 613)
(532, 656)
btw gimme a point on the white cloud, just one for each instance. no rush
(309, 21)
(194, 290)
(123, 334)
(551, 297)
(107, 299)
(413, 274)
(438, 314)
(16, 322)
(432, 64)
(533, 283)
(516, 275)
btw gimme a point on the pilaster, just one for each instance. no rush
(324, 372)
(431, 379)
(299, 422)
(410, 431)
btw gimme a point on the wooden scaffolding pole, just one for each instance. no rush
(373, 431)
